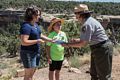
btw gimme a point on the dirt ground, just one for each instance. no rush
(42, 74)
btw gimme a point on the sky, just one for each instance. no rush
(92, 0)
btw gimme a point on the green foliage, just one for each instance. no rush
(77, 60)
(74, 61)
(103, 8)
(2, 50)
(43, 59)
(13, 45)
(3, 45)
(9, 39)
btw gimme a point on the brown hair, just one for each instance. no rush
(85, 15)
(30, 11)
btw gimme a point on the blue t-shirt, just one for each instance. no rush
(34, 33)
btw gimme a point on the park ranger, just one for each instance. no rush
(101, 47)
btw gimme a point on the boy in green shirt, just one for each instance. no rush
(55, 52)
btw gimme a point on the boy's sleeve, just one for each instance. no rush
(49, 36)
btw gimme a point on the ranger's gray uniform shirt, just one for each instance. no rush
(93, 32)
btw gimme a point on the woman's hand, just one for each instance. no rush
(40, 41)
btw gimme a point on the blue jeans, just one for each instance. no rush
(30, 59)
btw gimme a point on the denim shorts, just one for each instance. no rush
(30, 59)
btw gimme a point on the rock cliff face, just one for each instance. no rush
(7, 17)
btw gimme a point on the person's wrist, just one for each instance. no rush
(52, 41)
(47, 57)
(38, 40)
(69, 44)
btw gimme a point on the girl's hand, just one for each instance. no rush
(60, 42)
(49, 61)
(54, 40)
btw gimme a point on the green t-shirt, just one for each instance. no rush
(56, 50)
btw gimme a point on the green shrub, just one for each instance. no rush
(74, 61)
(2, 50)
(3, 65)
(9, 39)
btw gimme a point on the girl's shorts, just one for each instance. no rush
(55, 65)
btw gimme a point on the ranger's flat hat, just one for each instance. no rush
(82, 9)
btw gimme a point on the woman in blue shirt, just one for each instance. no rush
(31, 37)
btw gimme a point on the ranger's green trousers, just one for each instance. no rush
(101, 61)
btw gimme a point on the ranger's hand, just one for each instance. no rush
(74, 40)
(65, 44)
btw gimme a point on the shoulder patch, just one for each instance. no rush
(83, 29)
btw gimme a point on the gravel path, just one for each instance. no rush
(42, 74)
